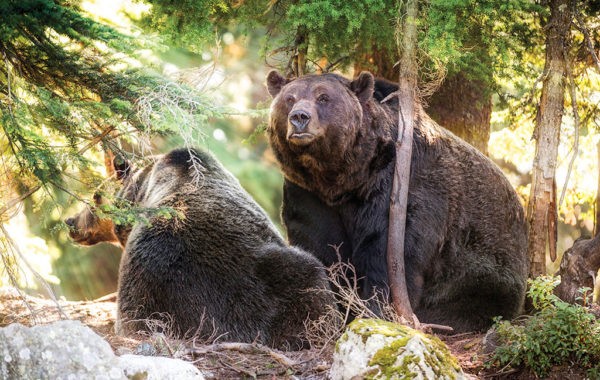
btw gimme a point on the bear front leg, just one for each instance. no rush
(313, 225)
(367, 223)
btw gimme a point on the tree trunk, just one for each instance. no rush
(597, 203)
(378, 61)
(542, 214)
(407, 94)
(301, 47)
(463, 106)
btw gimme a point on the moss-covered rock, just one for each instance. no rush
(376, 349)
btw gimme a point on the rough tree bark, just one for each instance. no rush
(301, 49)
(578, 269)
(542, 214)
(463, 106)
(407, 94)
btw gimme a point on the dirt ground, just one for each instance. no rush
(231, 360)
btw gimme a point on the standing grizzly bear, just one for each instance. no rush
(219, 268)
(465, 243)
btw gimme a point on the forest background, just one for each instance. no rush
(78, 78)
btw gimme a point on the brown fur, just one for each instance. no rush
(86, 228)
(465, 241)
(219, 268)
(347, 137)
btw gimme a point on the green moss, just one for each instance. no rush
(441, 361)
(388, 354)
(385, 360)
(387, 370)
(368, 327)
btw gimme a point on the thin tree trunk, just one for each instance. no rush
(301, 45)
(407, 94)
(542, 213)
(597, 203)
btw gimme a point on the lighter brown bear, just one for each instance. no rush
(217, 268)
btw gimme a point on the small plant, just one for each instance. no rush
(558, 333)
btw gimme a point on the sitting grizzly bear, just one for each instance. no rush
(219, 268)
(465, 242)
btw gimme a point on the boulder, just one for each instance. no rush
(376, 349)
(70, 350)
(157, 368)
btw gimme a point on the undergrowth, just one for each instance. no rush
(558, 334)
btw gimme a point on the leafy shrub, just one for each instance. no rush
(558, 333)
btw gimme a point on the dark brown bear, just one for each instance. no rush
(465, 243)
(219, 268)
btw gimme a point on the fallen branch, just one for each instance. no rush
(245, 348)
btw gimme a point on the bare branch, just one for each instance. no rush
(96, 139)
(333, 64)
(16, 201)
(588, 40)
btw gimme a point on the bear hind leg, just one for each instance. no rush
(472, 306)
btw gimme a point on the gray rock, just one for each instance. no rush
(69, 350)
(372, 348)
(157, 368)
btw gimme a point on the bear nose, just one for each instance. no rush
(70, 222)
(299, 119)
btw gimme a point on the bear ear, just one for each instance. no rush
(275, 82)
(363, 86)
(122, 167)
(97, 198)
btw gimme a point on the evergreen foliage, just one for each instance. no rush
(481, 37)
(68, 85)
(67, 80)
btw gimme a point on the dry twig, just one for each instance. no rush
(245, 348)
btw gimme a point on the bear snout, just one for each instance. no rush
(299, 119)
(302, 128)
(85, 228)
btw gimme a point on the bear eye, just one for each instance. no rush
(323, 98)
(290, 99)
(97, 198)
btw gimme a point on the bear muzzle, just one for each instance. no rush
(299, 128)
(89, 230)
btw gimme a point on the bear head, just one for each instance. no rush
(329, 134)
(318, 110)
(87, 228)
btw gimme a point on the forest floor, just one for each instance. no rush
(230, 360)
